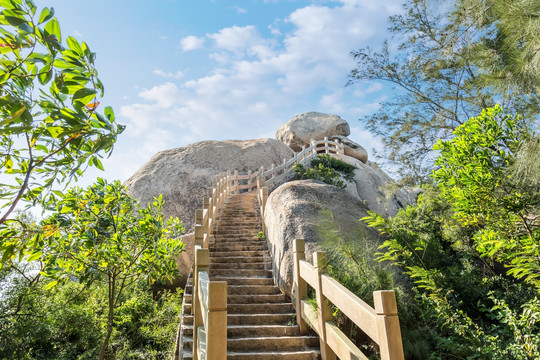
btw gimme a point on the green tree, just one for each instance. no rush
(50, 126)
(470, 244)
(473, 174)
(101, 235)
(453, 60)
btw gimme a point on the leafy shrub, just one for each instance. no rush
(327, 169)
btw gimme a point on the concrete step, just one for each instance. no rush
(241, 273)
(251, 319)
(252, 290)
(265, 343)
(246, 299)
(237, 259)
(268, 308)
(225, 247)
(227, 254)
(244, 281)
(240, 331)
(254, 266)
(309, 354)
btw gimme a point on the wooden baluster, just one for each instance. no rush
(235, 181)
(390, 343)
(216, 331)
(324, 313)
(300, 284)
(202, 260)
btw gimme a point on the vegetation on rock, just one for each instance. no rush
(327, 169)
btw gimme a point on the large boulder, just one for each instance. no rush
(183, 175)
(299, 131)
(372, 185)
(294, 210)
(352, 148)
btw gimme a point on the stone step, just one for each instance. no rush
(237, 259)
(251, 319)
(268, 344)
(241, 273)
(252, 289)
(224, 247)
(235, 331)
(309, 354)
(267, 308)
(254, 266)
(247, 299)
(238, 253)
(244, 281)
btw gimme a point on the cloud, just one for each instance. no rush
(236, 38)
(176, 75)
(191, 42)
(260, 82)
(239, 10)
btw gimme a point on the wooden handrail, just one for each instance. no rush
(210, 311)
(380, 324)
(209, 307)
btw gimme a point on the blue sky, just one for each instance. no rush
(179, 71)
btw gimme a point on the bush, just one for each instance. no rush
(327, 169)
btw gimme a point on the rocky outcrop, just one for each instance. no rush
(351, 148)
(299, 131)
(295, 209)
(184, 175)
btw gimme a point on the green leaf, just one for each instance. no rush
(74, 45)
(53, 28)
(51, 285)
(26, 28)
(55, 131)
(36, 255)
(46, 14)
(109, 112)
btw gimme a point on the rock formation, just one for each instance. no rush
(183, 175)
(351, 148)
(312, 125)
(294, 210)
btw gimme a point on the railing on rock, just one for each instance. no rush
(380, 324)
(209, 301)
(275, 176)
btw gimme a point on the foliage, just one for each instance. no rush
(466, 247)
(101, 235)
(351, 261)
(452, 60)
(68, 322)
(327, 169)
(50, 126)
(472, 174)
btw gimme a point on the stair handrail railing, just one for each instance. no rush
(381, 324)
(209, 303)
(271, 178)
(224, 185)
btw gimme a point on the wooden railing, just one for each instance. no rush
(277, 175)
(209, 300)
(209, 304)
(380, 324)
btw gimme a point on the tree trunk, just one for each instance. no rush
(110, 320)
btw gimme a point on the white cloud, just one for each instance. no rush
(176, 75)
(236, 38)
(191, 42)
(239, 10)
(261, 82)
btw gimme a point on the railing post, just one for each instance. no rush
(199, 228)
(202, 259)
(324, 313)
(326, 145)
(216, 326)
(313, 145)
(390, 343)
(263, 205)
(300, 284)
(235, 181)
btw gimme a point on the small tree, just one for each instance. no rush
(50, 126)
(101, 234)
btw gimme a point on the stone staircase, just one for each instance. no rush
(261, 320)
